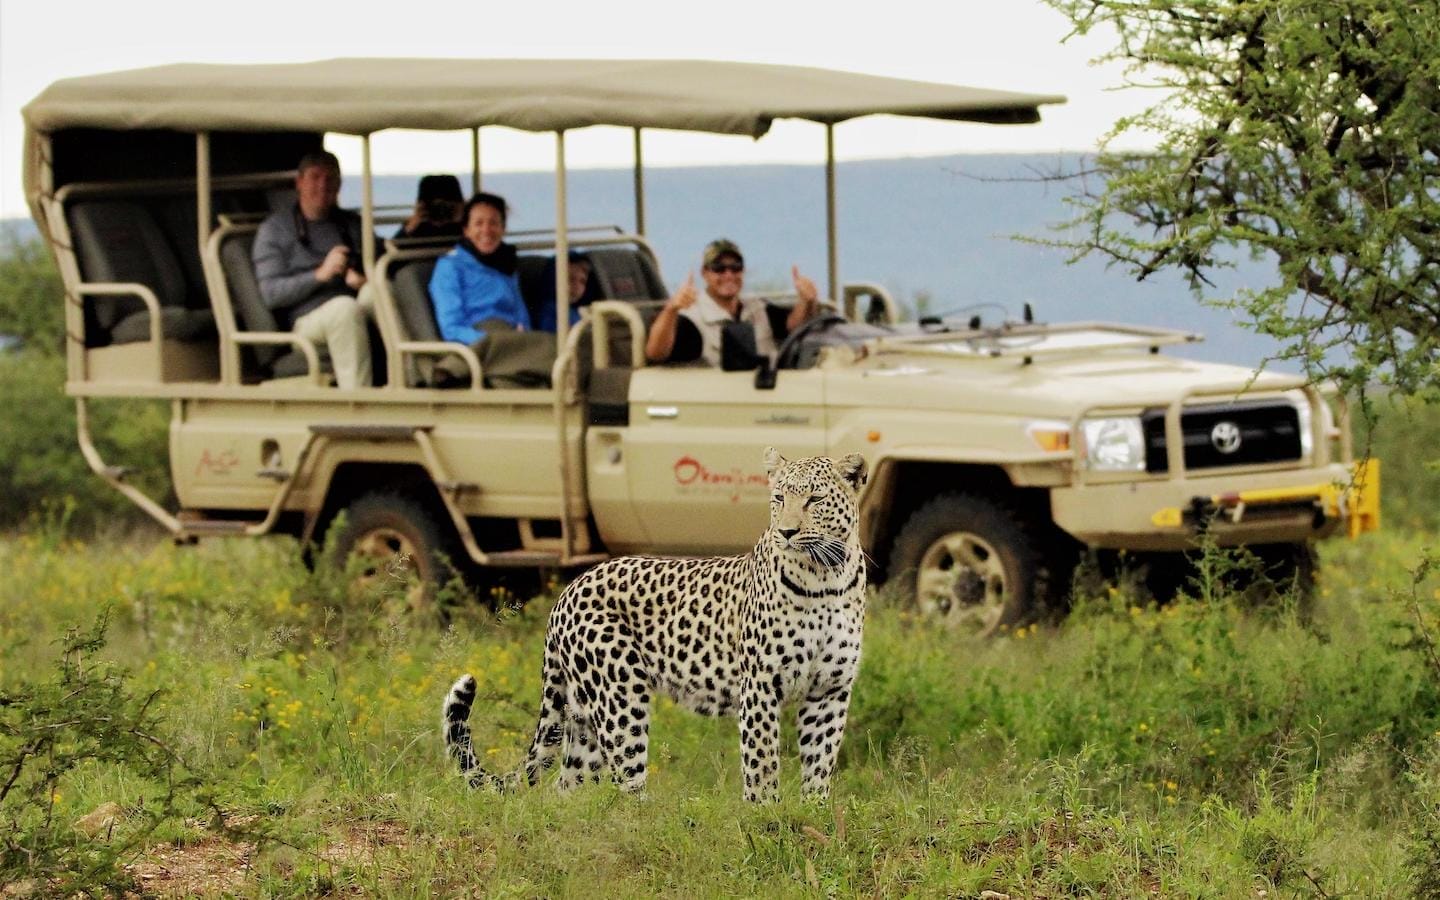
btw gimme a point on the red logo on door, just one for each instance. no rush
(692, 474)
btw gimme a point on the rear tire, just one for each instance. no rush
(970, 563)
(399, 552)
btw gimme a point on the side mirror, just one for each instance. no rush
(737, 347)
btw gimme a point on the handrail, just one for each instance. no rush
(170, 185)
(536, 232)
(303, 344)
(564, 395)
(600, 312)
(241, 218)
(446, 348)
(1135, 337)
(129, 289)
(605, 241)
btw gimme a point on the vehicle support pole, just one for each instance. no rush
(202, 185)
(562, 246)
(568, 487)
(639, 186)
(832, 258)
(475, 160)
(229, 367)
(367, 211)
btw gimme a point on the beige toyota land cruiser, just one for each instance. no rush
(997, 449)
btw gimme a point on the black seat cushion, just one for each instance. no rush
(293, 362)
(176, 324)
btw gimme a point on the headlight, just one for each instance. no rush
(1114, 445)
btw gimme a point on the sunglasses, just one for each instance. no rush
(720, 268)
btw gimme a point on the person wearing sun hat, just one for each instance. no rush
(689, 326)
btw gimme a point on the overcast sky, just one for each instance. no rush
(1005, 44)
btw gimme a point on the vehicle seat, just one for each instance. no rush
(410, 289)
(120, 241)
(253, 315)
(532, 271)
(626, 273)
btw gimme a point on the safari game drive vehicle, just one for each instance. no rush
(996, 450)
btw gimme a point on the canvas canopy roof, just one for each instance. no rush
(362, 96)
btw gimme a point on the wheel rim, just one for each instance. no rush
(388, 568)
(960, 583)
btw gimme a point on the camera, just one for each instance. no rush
(441, 210)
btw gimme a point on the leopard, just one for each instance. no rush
(742, 636)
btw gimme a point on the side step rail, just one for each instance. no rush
(450, 491)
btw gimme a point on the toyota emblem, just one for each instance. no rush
(1225, 437)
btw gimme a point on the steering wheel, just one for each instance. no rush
(789, 353)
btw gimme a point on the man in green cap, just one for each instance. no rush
(689, 326)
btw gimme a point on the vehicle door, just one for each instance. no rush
(694, 451)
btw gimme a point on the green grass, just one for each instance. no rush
(1191, 750)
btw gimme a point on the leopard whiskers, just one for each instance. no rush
(827, 551)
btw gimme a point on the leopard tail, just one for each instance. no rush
(455, 725)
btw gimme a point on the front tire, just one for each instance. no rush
(399, 552)
(970, 563)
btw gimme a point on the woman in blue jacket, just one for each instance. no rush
(476, 281)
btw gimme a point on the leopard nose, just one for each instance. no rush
(788, 533)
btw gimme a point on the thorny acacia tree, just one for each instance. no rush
(1306, 132)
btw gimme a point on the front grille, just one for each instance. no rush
(1267, 432)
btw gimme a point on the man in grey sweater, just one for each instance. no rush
(307, 260)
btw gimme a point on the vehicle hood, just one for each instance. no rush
(1059, 387)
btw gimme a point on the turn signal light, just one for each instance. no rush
(1052, 437)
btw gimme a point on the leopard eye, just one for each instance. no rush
(813, 498)
(777, 498)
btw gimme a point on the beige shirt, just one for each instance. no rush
(709, 318)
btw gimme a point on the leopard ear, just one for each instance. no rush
(852, 469)
(773, 461)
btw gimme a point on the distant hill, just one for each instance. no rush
(940, 225)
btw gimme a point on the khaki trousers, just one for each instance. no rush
(340, 324)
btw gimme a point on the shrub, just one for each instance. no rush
(30, 292)
(43, 472)
(85, 714)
